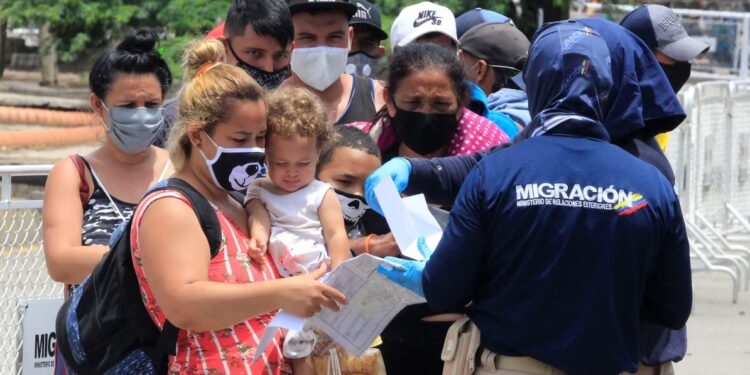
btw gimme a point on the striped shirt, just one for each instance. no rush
(227, 351)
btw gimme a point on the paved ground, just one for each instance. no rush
(42, 155)
(718, 331)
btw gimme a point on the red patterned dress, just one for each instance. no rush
(228, 351)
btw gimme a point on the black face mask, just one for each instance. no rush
(234, 169)
(425, 133)
(677, 74)
(502, 76)
(354, 208)
(267, 80)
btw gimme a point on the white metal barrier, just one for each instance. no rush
(711, 156)
(23, 274)
(727, 33)
(709, 152)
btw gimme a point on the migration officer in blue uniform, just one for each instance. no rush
(564, 242)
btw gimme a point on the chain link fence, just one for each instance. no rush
(23, 274)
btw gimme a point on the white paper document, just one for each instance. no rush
(373, 302)
(282, 319)
(409, 218)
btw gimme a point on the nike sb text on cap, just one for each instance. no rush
(313, 5)
(420, 19)
(660, 28)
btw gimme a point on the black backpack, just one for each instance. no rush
(104, 328)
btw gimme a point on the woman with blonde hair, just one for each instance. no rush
(220, 305)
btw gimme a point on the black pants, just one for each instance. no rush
(414, 348)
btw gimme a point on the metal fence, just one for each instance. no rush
(23, 274)
(709, 152)
(727, 33)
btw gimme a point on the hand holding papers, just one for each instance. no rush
(409, 274)
(373, 302)
(374, 299)
(409, 218)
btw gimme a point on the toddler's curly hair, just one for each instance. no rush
(295, 111)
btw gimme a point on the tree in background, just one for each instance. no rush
(75, 29)
(523, 12)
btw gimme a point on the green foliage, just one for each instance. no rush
(393, 7)
(171, 50)
(186, 20)
(186, 17)
(82, 28)
(78, 25)
(526, 21)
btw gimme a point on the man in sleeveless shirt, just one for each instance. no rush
(322, 38)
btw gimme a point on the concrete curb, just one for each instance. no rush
(46, 117)
(51, 138)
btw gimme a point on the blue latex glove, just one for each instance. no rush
(410, 277)
(397, 169)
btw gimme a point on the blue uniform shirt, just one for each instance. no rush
(557, 257)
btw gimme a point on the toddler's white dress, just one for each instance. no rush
(296, 244)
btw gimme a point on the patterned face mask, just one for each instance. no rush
(363, 65)
(267, 80)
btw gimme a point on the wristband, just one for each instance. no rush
(367, 243)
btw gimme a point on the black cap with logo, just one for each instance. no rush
(308, 5)
(368, 15)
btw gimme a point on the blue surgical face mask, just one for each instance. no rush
(133, 130)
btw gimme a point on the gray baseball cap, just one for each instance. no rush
(660, 28)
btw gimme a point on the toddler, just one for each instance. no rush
(297, 218)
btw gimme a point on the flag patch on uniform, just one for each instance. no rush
(631, 205)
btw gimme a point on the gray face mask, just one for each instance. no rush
(363, 65)
(133, 130)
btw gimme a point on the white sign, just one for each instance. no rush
(39, 338)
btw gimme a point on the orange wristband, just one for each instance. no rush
(367, 243)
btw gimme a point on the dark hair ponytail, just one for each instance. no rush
(135, 54)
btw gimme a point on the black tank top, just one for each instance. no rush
(361, 106)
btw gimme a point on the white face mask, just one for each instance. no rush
(319, 67)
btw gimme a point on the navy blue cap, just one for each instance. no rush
(478, 16)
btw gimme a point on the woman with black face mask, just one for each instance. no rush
(424, 117)
(424, 114)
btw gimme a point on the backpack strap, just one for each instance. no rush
(212, 229)
(83, 186)
(203, 210)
